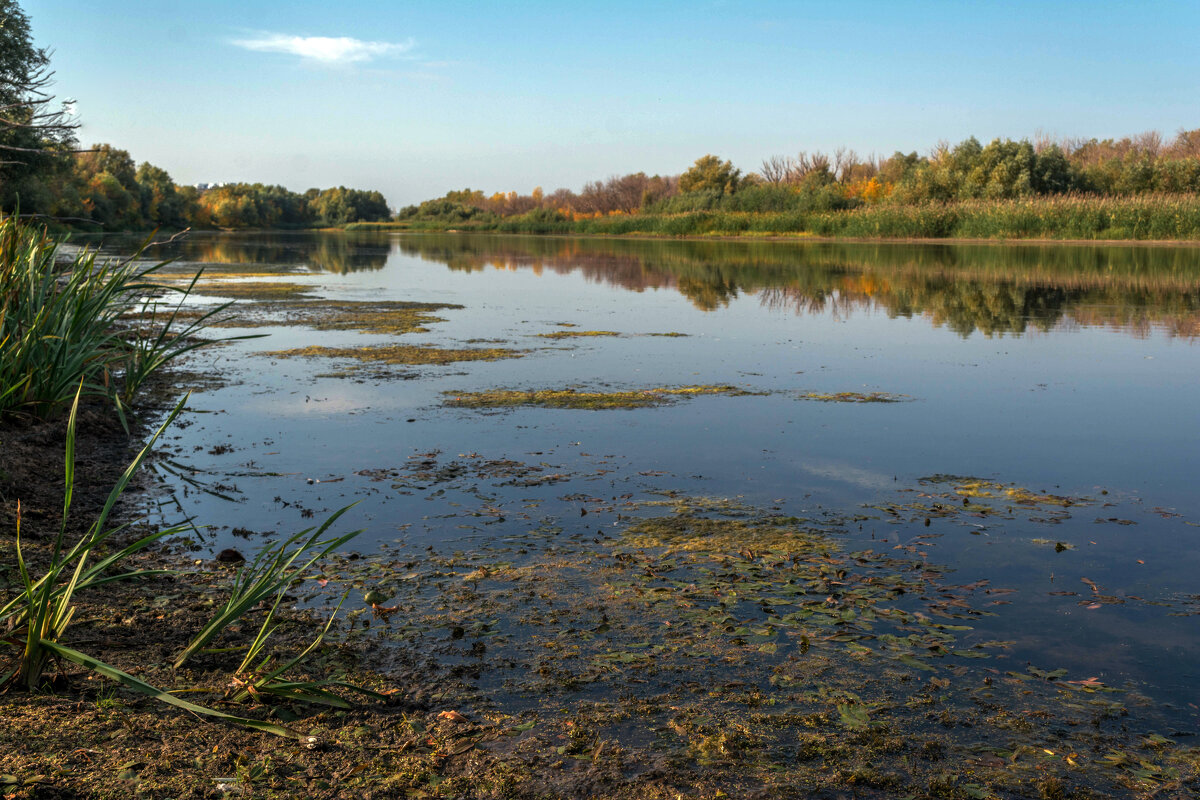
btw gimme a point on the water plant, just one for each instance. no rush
(263, 683)
(854, 397)
(162, 341)
(59, 325)
(269, 574)
(35, 619)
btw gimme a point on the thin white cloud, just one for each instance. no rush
(324, 49)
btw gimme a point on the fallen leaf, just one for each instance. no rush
(1090, 683)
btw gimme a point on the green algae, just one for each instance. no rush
(980, 488)
(398, 354)
(393, 318)
(571, 334)
(855, 397)
(576, 399)
(254, 290)
(741, 651)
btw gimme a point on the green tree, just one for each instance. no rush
(34, 131)
(109, 187)
(161, 202)
(711, 174)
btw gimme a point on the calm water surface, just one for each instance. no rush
(1064, 370)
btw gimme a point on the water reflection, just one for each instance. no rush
(967, 288)
(338, 252)
(992, 289)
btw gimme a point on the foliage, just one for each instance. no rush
(944, 194)
(340, 206)
(158, 341)
(33, 132)
(57, 334)
(711, 174)
(105, 186)
(453, 209)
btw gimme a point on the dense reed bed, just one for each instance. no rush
(61, 330)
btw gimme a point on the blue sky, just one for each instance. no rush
(416, 98)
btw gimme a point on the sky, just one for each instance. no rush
(416, 98)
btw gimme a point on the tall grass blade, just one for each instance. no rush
(270, 573)
(127, 680)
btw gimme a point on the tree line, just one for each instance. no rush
(103, 185)
(44, 172)
(1003, 169)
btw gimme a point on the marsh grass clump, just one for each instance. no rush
(61, 327)
(855, 397)
(572, 398)
(36, 615)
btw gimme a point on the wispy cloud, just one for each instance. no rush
(325, 49)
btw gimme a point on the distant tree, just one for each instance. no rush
(339, 206)
(1186, 144)
(776, 169)
(711, 174)
(895, 169)
(33, 129)
(161, 202)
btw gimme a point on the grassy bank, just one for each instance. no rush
(1141, 218)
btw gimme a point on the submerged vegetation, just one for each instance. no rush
(663, 644)
(571, 334)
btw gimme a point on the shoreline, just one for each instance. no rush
(805, 238)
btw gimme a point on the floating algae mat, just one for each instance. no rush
(738, 647)
(574, 398)
(571, 334)
(398, 353)
(253, 290)
(855, 397)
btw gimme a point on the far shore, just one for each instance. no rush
(780, 237)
